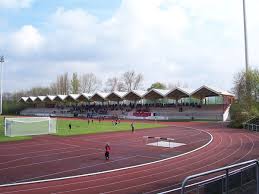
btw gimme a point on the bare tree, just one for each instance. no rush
(114, 84)
(38, 91)
(121, 87)
(66, 83)
(138, 81)
(111, 84)
(61, 86)
(18, 94)
(131, 80)
(89, 83)
(10, 96)
(53, 89)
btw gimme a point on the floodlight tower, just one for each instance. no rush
(245, 35)
(1, 84)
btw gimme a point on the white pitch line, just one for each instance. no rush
(49, 161)
(44, 155)
(75, 169)
(17, 146)
(34, 152)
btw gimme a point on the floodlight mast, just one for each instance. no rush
(1, 91)
(245, 36)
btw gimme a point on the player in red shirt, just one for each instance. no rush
(107, 151)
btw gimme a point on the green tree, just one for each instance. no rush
(75, 84)
(246, 89)
(157, 85)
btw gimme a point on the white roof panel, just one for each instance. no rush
(62, 97)
(160, 91)
(215, 90)
(87, 95)
(42, 98)
(33, 98)
(140, 93)
(120, 94)
(24, 99)
(187, 91)
(50, 97)
(102, 94)
(74, 96)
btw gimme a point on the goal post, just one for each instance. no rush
(24, 126)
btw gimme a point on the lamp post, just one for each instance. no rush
(1, 92)
(245, 35)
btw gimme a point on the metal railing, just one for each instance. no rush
(227, 174)
(250, 126)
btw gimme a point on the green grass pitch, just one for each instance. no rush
(80, 127)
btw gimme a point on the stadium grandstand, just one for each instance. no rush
(204, 103)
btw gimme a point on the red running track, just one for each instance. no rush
(228, 146)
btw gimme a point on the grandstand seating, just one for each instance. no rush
(46, 111)
(154, 104)
(147, 111)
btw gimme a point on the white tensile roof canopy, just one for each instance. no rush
(116, 96)
(99, 96)
(208, 91)
(31, 99)
(178, 93)
(84, 97)
(49, 98)
(23, 99)
(155, 94)
(40, 99)
(134, 95)
(72, 97)
(60, 98)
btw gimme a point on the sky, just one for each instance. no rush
(196, 42)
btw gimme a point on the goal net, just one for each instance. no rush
(29, 126)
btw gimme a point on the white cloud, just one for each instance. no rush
(76, 19)
(138, 24)
(9, 4)
(196, 42)
(71, 30)
(27, 40)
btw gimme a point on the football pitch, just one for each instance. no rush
(80, 127)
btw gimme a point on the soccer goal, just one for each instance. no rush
(24, 126)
